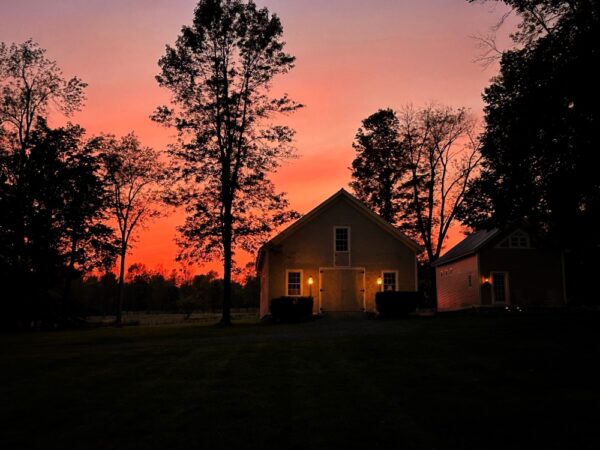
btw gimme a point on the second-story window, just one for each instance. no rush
(518, 240)
(342, 239)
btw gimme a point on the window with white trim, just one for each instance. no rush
(294, 283)
(389, 281)
(518, 240)
(342, 239)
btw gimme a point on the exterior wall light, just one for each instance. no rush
(310, 280)
(486, 280)
(379, 281)
(310, 283)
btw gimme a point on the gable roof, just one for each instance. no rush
(357, 204)
(468, 246)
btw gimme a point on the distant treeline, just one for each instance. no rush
(146, 290)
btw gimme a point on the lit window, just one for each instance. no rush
(389, 281)
(294, 282)
(342, 235)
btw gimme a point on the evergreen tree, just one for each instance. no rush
(380, 164)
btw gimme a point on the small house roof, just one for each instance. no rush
(468, 246)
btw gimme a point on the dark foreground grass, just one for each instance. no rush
(443, 382)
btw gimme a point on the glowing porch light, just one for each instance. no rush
(310, 280)
(379, 281)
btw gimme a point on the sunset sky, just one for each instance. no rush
(353, 57)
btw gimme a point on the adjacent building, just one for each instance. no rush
(499, 268)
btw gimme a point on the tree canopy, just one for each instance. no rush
(62, 201)
(51, 194)
(539, 145)
(29, 84)
(380, 164)
(219, 73)
(135, 177)
(541, 121)
(413, 169)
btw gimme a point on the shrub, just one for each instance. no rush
(291, 309)
(396, 303)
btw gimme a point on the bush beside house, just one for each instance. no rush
(291, 309)
(396, 303)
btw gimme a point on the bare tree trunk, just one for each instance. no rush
(119, 312)
(20, 246)
(67, 288)
(69, 278)
(228, 254)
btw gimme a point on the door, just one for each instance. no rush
(342, 289)
(500, 287)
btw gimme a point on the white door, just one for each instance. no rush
(342, 289)
(500, 287)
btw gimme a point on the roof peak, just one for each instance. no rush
(358, 204)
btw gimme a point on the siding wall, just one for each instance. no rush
(311, 247)
(535, 277)
(453, 290)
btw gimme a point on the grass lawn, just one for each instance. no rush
(456, 382)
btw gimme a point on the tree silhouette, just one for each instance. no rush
(87, 242)
(219, 72)
(443, 156)
(63, 204)
(135, 177)
(64, 178)
(29, 84)
(413, 169)
(380, 164)
(541, 130)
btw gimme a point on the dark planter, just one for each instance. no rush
(396, 303)
(291, 309)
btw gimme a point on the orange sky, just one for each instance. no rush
(353, 57)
